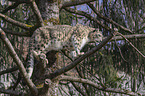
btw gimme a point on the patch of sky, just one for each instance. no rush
(84, 8)
(2, 2)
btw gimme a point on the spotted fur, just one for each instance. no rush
(60, 37)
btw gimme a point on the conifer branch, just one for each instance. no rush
(82, 13)
(114, 90)
(107, 19)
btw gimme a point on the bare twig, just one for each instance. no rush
(9, 70)
(107, 19)
(114, 90)
(26, 34)
(11, 7)
(17, 82)
(139, 36)
(74, 3)
(82, 76)
(14, 22)
(131, 44)
(18, 62)
(11, 92)
(22, 1)
(77, 61)
(37, 13)
(79, 89)
(71, 10)
(120, 51)
(100, 82)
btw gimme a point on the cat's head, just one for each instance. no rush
(95, 35)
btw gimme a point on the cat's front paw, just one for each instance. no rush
(35, 54)
(75, 55)
(42, 56)
(82, 53)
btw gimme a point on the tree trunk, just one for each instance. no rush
(50, 14)
(49, 11)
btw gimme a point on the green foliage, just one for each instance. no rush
(104, 66)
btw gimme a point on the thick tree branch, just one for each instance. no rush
(114, 90)
(9, 70)
(11, 92)
(11, 7)
(20, 1)
(18, 62)
(37, 13)
(26, 34)
(77, 61)
(71, 10)
(74, 3)
(107, 19)
(14, 22)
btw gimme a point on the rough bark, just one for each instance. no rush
(50, 13)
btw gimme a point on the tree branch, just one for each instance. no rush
(114, 90)
(9, 70)
(11, 92)
(78, 60)
(11, 7)
(80, 73)
(107, 19)
(133, 36)
(37, 13)
(120, 51)
(131, 45)
(71, 10)
(22, 1)
(26, 34)
(79, 89)
(74, 3)
(17, 23)
(18, 62)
